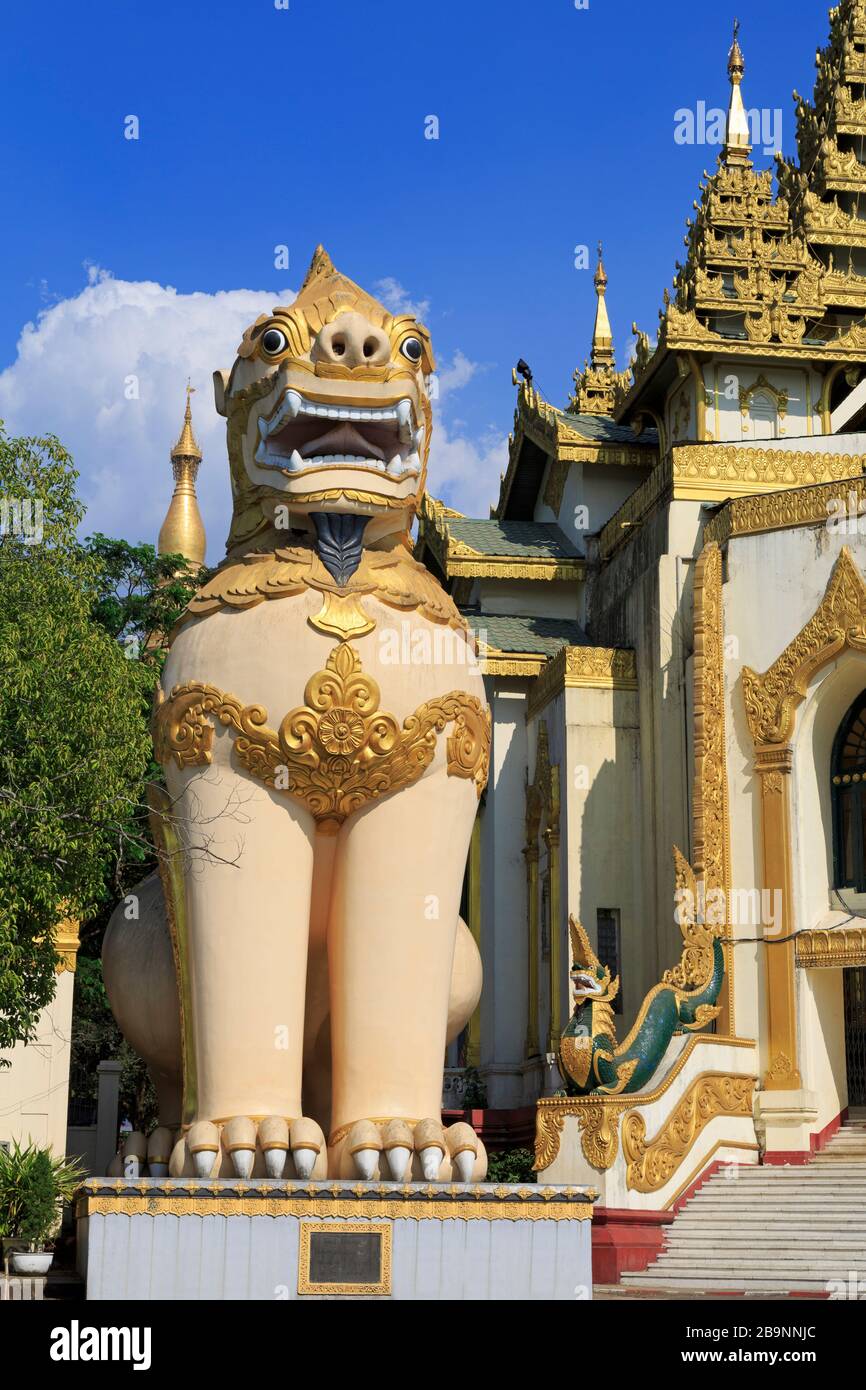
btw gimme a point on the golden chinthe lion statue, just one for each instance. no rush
(298, 964)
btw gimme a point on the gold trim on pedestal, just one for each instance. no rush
(381, 1286)
(453, 1204)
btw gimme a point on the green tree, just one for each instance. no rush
(74, 743)
(141, 595)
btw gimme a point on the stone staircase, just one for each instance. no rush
(772, 1230)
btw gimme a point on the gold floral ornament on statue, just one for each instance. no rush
(337, 752)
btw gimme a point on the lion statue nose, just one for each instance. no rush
(350, 340)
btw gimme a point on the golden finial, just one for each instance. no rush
(602, 335)
(186, 446)
(736, 61)
(737, 134)
(600, 281)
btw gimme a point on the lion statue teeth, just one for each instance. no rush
(300, 962)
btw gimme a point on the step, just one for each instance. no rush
(729, 1241)
(829, 1267)
(728, 1286)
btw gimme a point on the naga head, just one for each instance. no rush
(327, 410)
(591, 981)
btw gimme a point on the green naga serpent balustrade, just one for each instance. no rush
(592, 1061)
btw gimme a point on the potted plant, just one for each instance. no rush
(33, 1187)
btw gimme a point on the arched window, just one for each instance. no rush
(764, 416)
(849, 799)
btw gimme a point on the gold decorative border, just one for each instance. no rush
(650, 1164)
(498, 663)
(382, 1285)
(821, 949)
(588, 668)
(338, 752)
(712, 838)
(704, 471)
(596, 1113)
(771, 499)
(502, 567)
(777, 511)
(431, 1209)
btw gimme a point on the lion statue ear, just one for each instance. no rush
(220, 386)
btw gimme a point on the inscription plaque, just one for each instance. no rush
(346, 1257)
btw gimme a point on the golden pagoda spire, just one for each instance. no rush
(737, 134)
(602, 334)
(598, 387)
(182, 532)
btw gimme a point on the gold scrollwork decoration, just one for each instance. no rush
(840, 622)
(650, 1164)
(339, 751)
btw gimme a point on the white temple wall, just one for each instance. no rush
(601, 829)
(795, 416)
(503, 900)
(34, 1090)
(530, 598)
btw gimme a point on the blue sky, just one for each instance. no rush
(261, 126)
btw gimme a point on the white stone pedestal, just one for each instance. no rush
(158, 1238)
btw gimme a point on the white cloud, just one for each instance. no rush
(458, 374)
(397, 299)
(70, 378)
(464, 472)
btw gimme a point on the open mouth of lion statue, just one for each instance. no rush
(303, 434)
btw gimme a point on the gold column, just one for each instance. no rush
(773, 763)
(551, 836)
(530, 854)
(712, 853)
(473, 1041)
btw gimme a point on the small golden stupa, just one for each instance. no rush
(182, 532)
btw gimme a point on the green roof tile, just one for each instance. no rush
(542, 635)
(606, 430)
(517, 538)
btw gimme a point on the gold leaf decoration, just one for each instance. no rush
(339, 751)
(651, 1164)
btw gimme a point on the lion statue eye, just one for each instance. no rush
(274, 342)
(412, 348)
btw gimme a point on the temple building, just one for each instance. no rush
(670, 600)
